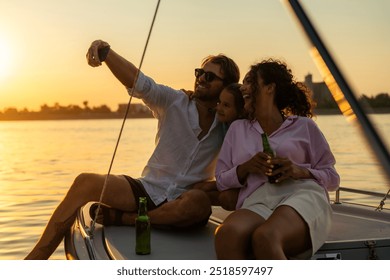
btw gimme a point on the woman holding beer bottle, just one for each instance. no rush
(282, 209)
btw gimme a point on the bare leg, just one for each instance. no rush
(284, 234)
(226, 199)
(210, 188)
(191, 207)
(233, 237)
(85, 188)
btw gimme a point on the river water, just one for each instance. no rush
(40, 159)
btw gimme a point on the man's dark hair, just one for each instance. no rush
(229, 68)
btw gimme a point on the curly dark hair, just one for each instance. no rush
(291, 97)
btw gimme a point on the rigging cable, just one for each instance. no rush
(93, 222)
(382, 203)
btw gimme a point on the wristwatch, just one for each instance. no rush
(103, 52)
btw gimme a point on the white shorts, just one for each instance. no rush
(305, 196)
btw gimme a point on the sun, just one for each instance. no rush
(5, 59)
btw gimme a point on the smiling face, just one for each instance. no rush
(226, 108)
(209, 90)
(247, 91)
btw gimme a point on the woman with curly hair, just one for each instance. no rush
(291, 217)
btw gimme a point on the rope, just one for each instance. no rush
(124, 120)
(382, 203)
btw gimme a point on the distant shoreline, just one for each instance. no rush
(336, 111)
(81, 116)
(76, 117)
(114, 115)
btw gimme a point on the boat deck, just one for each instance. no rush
(358, 232)
(350, 222)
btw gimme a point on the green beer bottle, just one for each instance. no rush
(142, 229)
(268, 150)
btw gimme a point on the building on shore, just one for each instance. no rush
(321, 94)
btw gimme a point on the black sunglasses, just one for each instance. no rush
(208, 76)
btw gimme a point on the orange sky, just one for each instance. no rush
(43, 43)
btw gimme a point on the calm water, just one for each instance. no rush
(40, 159)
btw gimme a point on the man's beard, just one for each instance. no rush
(204, 96)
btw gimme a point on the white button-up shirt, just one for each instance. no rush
(180, 159)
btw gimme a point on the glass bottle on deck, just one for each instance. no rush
(268, 150)
(142, 229)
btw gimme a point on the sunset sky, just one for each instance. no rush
(43, 43)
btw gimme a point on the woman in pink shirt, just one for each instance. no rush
(291, 217)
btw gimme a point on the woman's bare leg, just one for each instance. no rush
(233, 237)
(283, 235)
(85, 188)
